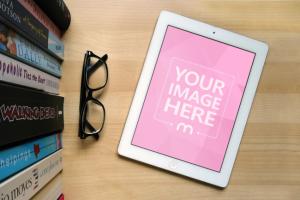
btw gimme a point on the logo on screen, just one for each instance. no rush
(193, 98)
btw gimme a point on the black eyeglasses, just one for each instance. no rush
(91, 111)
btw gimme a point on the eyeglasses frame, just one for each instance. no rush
(86, 94)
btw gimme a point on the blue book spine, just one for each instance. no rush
(15, 159)
(17, 47)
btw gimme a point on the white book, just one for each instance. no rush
(52, 190)
(27, 183)
(13, 71)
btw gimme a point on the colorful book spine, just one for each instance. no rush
(57, 11)
(13, 71)
(16, 16)
(28, 182)
(52, 191)
(27, 113)
(21, 49)
(17, 158)
(61, 197)
(34, 9)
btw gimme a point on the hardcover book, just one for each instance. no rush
(57, 11)
(26, 113)
(13, 71)
(17, 158)
(15, 15)
(34, 9)
(15, 46)
(27, 183)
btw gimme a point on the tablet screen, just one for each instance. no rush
(193, 98)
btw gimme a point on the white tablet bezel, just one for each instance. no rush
(165, 162)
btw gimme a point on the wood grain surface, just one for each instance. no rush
(268, 162)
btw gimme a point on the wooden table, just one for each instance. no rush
(268, 163)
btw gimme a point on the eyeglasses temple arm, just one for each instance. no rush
(89, 126)
(95, 66)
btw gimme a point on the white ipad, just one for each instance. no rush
(193, 99)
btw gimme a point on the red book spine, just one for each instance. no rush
(61, 197)
(35, 10)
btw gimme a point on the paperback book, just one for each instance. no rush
(52, 191)
(13, 71)
(17, 158)
(15, 46)
(16, 16)
(28, 182)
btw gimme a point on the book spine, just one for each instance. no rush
(57, 11)
(61, 197)
(51, 191)
(34, 9)
(17, 158)
(27, 183)
(26, 113)
(19, 48)
(13, 71)
(15, 15)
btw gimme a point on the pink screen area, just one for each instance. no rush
(193, 98)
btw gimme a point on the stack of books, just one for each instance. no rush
(31, 111)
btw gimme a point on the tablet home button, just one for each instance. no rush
(173, 164)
